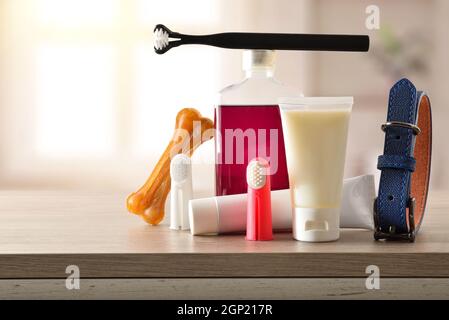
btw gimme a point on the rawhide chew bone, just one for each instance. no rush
(149, 200)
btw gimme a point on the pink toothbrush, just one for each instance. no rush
(259, 222)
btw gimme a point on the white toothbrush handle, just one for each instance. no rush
(179, 205)
(187, 195)
(175, 207)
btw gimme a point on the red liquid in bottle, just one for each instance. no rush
(253, 121)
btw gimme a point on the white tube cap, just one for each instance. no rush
(203, 216)
(316, 224)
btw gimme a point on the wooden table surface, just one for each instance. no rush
(41, 232)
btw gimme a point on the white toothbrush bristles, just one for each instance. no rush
(161, 39)
(256, 174)
(180, 168)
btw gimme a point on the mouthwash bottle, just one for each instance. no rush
(248, 124)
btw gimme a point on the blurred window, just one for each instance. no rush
(101, 90)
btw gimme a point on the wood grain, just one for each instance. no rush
(42, 232)
(226, 289)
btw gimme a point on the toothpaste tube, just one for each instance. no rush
(227, 214)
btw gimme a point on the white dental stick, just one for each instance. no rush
(181, 191)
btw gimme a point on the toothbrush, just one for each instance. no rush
(267, 41)
(181, 192)
(259, 220)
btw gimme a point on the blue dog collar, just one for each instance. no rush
(405, 164)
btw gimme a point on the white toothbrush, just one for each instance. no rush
(181, 191)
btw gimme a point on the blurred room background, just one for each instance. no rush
(86, 103)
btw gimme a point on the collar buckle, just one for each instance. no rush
(391, 234)
(415, 128)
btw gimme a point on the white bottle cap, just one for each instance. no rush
(258, 59)
(316, 224)
(203, 216)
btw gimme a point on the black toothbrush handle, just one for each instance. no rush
(281, 41)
